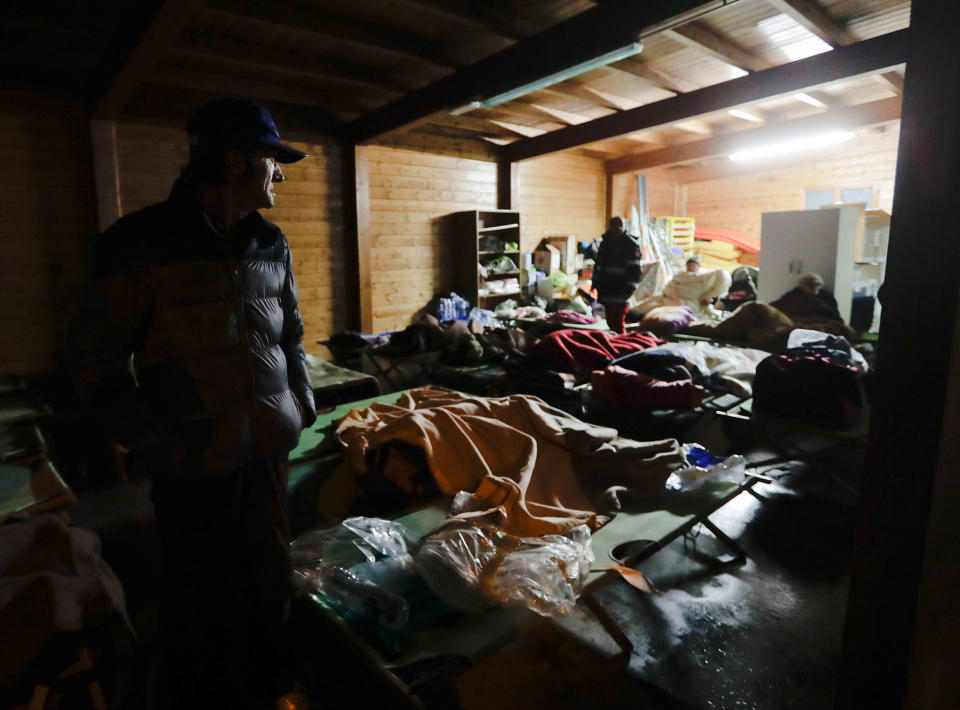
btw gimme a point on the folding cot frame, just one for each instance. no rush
(631, 537)
(774, 429)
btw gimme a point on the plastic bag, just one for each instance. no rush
(472, 567)
(544, 574)
(704, 466)
(484, 317)
(452, 560)
(578, 306)
(355, 565)
(360, 596)
(353, 541)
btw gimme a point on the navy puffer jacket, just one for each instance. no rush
(211, 319)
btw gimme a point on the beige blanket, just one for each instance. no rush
(540, 470)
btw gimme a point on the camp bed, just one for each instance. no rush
(636, 533)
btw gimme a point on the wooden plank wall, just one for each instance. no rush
(661, 193)
(409, 192)
(308, 210)
(48, 212)
(738, 201)
(560, 194)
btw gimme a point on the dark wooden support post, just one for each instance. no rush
(611, 178)
(106, 173)
(506, 184)
(356, 232)
(902, 634)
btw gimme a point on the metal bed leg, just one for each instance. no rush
(607, 622)
(739, 555)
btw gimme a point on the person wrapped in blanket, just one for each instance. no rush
(694, 288)
(768, 325)
(617, 272)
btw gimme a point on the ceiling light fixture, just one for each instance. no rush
(564, 74)
(466, 108)
(793, 146)
(808, 99)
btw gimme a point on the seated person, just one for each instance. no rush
(768, 325)
(694, 287)
(809, 302)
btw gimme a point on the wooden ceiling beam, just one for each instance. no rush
(814, 18)
(650, 138)
(893, 81)
(653, 77)
(485, 127)
(525, 131)
(261, 90)
(243, 53)
(580, 38)
(867, 57)
(300, 15)
(167, 24)
(701, 128)
(170, 106)
(548, 113)
(239, 69)
(858, 116)
(564, 91)
(699, 37)
(596, 96)
(499, 114)
(409, 65)
(464, 13)
(505, 18)
(516, 108)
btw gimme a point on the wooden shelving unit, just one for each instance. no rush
(475, 238)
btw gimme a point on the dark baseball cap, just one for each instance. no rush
(234, 123)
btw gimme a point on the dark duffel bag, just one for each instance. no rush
(816, 388)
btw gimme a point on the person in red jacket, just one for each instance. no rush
(617, 272)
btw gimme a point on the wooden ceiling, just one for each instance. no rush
(392, 70)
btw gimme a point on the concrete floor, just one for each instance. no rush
(765, 634)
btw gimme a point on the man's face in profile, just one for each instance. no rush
(253, 185)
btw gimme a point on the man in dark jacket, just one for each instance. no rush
(616, 272)
(199, 291)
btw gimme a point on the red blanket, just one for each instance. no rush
(641, 391)
(586, 350)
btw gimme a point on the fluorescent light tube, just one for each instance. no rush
(568, 73)
(794, 146)
(466, 108)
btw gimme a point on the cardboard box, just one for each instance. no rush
(567, 246)
(546, 258)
